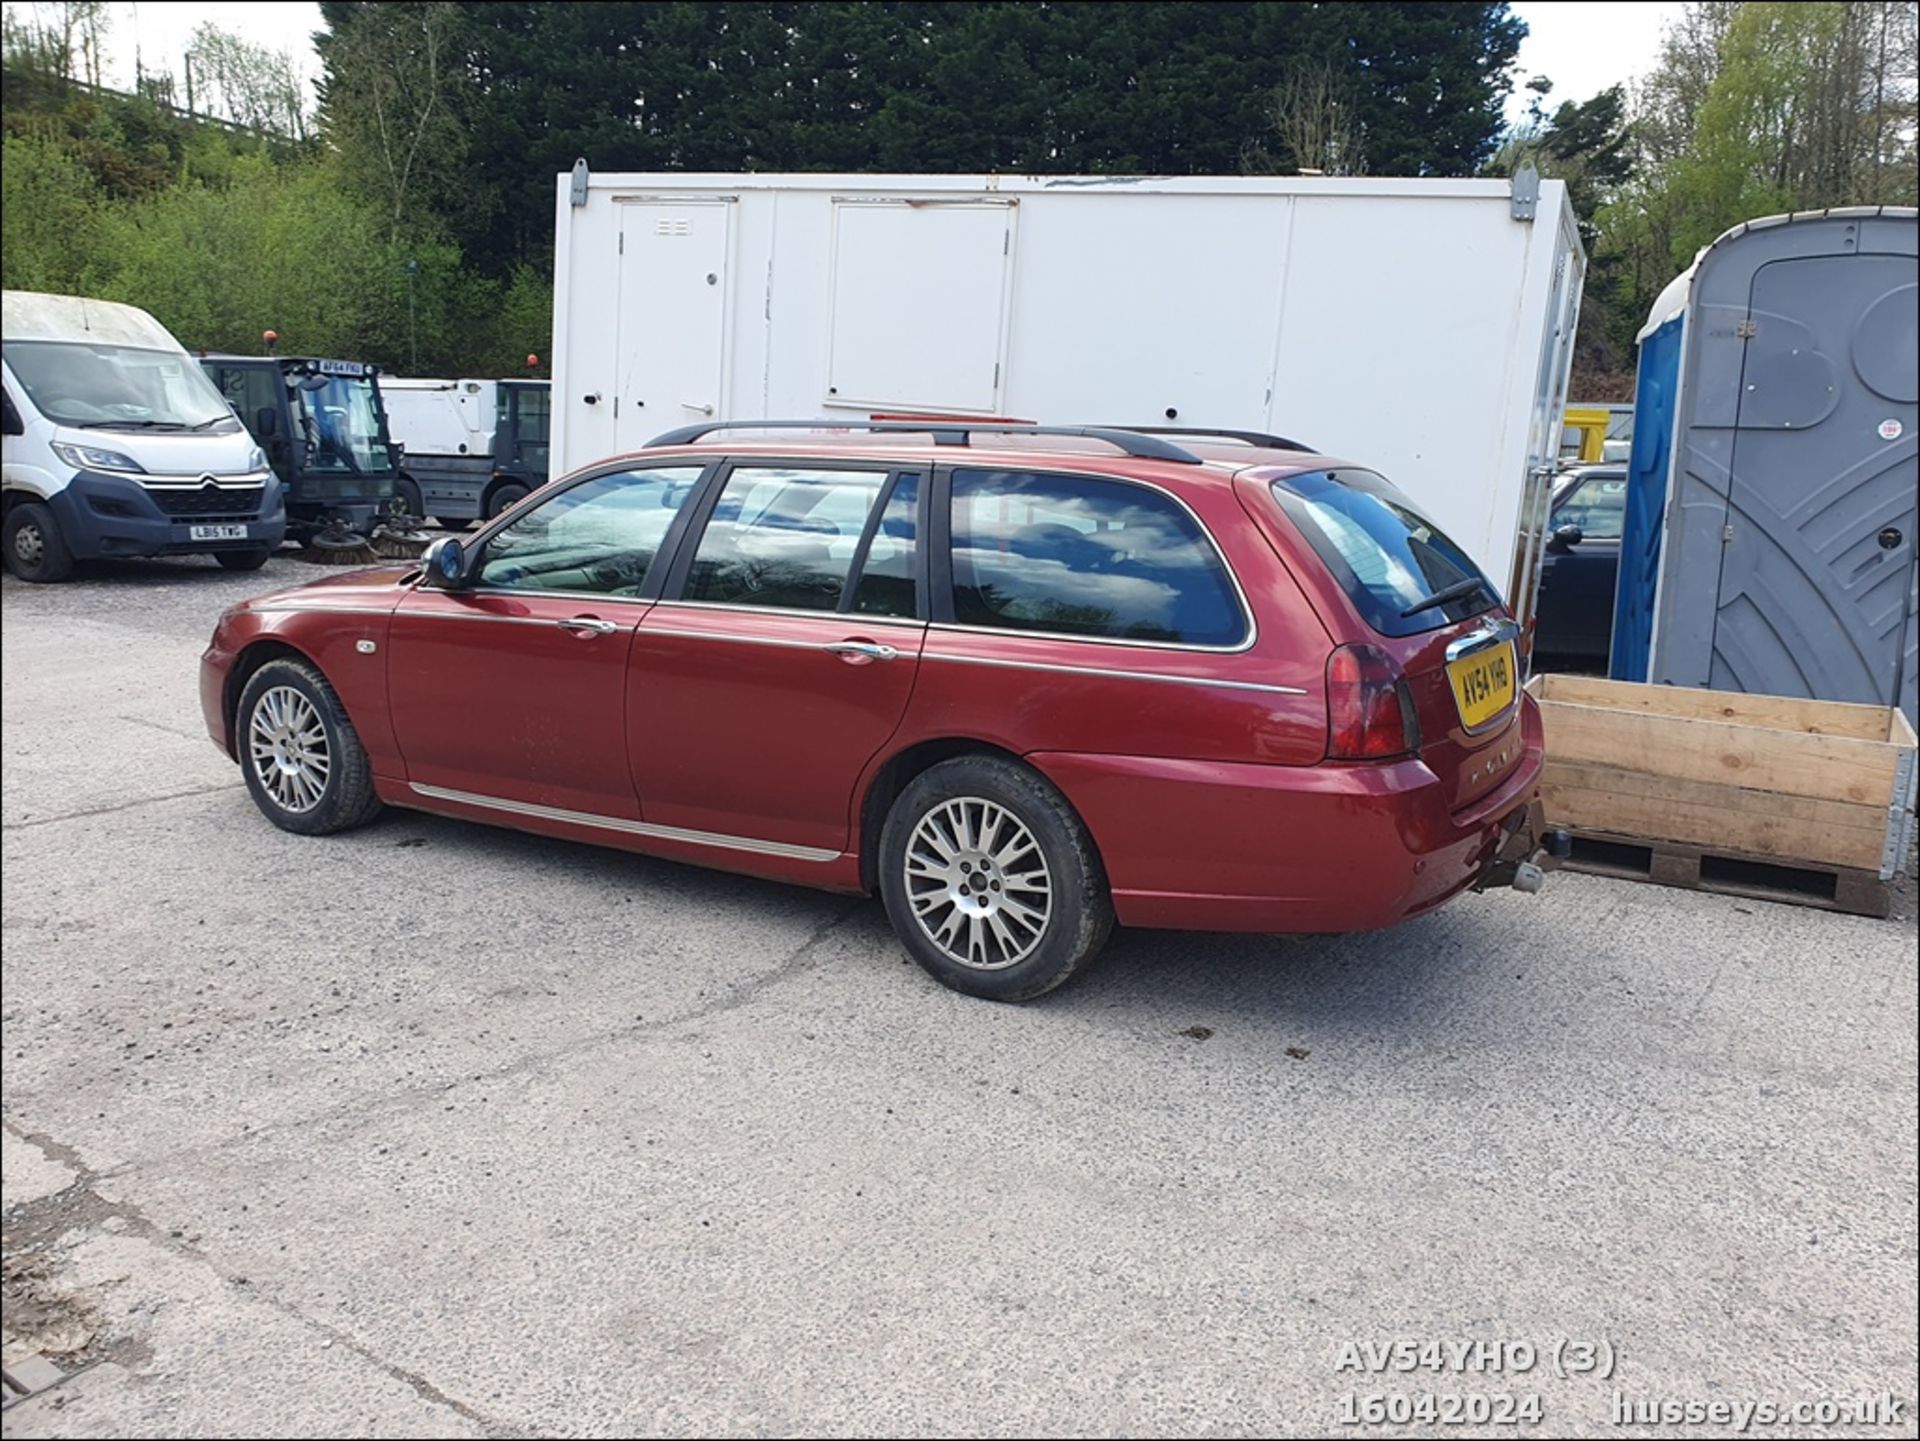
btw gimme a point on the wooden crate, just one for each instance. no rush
(1802, 800)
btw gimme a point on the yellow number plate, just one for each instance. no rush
(1482, 684)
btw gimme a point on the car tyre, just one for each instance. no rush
(991, 880)
(35, 549)
(252, 558)
(301, 757)
(512, 493)
(410, 497)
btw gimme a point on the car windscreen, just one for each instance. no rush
(118, 387)
(1388, 557)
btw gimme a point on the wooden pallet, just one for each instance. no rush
(1728, 873)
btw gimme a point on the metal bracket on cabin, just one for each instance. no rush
(1893, 854)
(1526, 191)
(578, 195)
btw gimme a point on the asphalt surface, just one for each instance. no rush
(433, 1128)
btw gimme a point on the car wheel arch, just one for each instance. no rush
(893, 775)
(251, 657)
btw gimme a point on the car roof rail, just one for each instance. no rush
(1203, 432)
(949, 432)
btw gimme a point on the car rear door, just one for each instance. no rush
(781, 656)
(512, 693)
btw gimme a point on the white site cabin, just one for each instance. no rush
(1421, 328)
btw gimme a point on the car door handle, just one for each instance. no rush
(592, 625)
(859, 652)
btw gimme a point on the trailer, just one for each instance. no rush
(470, 448)
(1422, 328)
(1768, 544)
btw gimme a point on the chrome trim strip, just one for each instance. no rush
(626, 827)
(846, 615)
(597, 596)
(1118, 674)
(477, 615)
(1488, 635)
(195, 479)
(370, 612)
(777, 640)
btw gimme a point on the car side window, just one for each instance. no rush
(783, 537)
(1598, 505)
(1076, 555)
(885, 584)
(599, 537)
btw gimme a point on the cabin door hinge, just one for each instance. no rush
(1747, 328)
(623, 244)
(1726, 536)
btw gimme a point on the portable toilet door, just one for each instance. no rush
(1795, 465)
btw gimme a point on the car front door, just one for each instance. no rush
(512, 693)
(1577, 580)
(781, 657)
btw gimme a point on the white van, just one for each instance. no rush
(116, 444)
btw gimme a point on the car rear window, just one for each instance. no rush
(1387, 556)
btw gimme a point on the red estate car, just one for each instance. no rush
(1024, 682)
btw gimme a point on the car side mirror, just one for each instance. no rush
(266, 422)
(1566, 538)
(446, 562)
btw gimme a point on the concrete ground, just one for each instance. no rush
(432, 1128)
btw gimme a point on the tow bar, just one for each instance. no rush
(1517, 862)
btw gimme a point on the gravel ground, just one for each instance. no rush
(434, 1128)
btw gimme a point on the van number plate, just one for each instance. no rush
(217, 532)
(1482, 684)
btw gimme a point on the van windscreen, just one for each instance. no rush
(117, 387)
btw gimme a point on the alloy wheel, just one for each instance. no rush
(977, 883)
(289, 747)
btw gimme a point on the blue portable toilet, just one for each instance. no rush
(1772, 484)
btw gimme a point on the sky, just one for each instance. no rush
(1583, 46)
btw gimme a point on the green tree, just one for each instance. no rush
(249, 84)
(1058, 87)
(388, 103)
(49, 216)
(1756, 109)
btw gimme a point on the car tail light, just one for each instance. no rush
(1369, 706)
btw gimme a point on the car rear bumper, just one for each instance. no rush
(1202, 845)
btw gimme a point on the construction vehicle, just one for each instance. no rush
(471, 447)
(324, 431)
